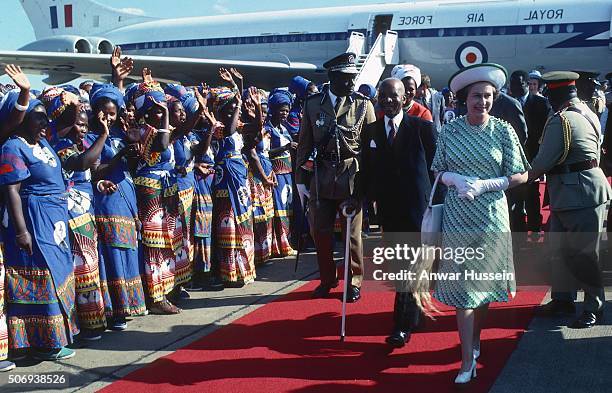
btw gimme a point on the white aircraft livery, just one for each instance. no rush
(75, 38)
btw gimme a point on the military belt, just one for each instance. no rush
(575, 167)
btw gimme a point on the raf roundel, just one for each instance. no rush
(470, 53)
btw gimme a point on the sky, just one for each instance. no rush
(17, 31)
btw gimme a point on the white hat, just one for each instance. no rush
(402, 71)
(535, 74)
(484, 72)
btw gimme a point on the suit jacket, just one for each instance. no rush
(536, 110)
(398, 176)
(510, 110)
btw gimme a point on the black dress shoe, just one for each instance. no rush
(556, 308)
(353, 294)
(586, 320)
(322, 291)
(398, 339)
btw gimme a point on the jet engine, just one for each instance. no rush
(62, 43)
(101, 45)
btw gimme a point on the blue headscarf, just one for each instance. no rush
(298, 86)
(368, 91)
(278, 98)
(144, 96)
(186, 97)
(106, 90)
(8, 103)
(130, 89)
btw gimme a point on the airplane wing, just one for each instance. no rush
(64, 67)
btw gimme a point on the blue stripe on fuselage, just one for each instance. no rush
(582, 30)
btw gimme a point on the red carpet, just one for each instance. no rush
(291, 345)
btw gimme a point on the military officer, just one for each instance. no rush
(569, 155)
(330, 131)
(588, 86)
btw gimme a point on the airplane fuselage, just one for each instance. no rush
(439, 37)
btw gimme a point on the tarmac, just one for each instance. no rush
(549, 357)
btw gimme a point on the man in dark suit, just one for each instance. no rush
(397, 156)
(536, 109)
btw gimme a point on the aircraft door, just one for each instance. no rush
(379, 24)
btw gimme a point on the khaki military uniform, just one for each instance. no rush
(337, 167)
(578, 197)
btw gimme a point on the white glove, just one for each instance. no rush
(460, 182)
(479, 187)
(303, 192)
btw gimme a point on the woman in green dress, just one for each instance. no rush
(479, 157)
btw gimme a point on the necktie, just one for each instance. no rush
(338, 104)
(392, 132)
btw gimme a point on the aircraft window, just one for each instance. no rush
(464, 31)
(453, 32)
(489, 30)
(440, 32)
(569, 28)
(528, 29)
(556, 28)
(502, 30)
(238, 40)
(417, 33)
(283, 38)
(477, 31)
(222, 41)
(542, 29)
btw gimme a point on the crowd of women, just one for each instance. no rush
(117, 198)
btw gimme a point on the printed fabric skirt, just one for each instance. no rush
(166, 264)
(40, 292)
(202, 223)
(84, 243)
(281, 228)
(233, 241)
(3, 327)
(263, 211)
(119, 257)
(186, 187)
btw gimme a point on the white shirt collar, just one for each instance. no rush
(332, 97)
(397, 120)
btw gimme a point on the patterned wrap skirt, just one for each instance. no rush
(118, 252)
(283, 201)
(202, 223)
(162, 234)
(263, 212)
(40, 288)
(3, 327)
(83, 239)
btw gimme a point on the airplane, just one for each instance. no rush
(75, 38)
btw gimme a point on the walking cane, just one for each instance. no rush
(302, 235)
(347, 262)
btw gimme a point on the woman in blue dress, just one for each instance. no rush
(232, 209)
(77, 157)
(40, 293)
(261, 181)
(281, 143)
(186, 110)
(158, 203)
(116, 210)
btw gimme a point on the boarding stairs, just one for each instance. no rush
(372, 64)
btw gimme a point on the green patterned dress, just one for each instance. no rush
(488, 151)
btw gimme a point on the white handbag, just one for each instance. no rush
(431, 226)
